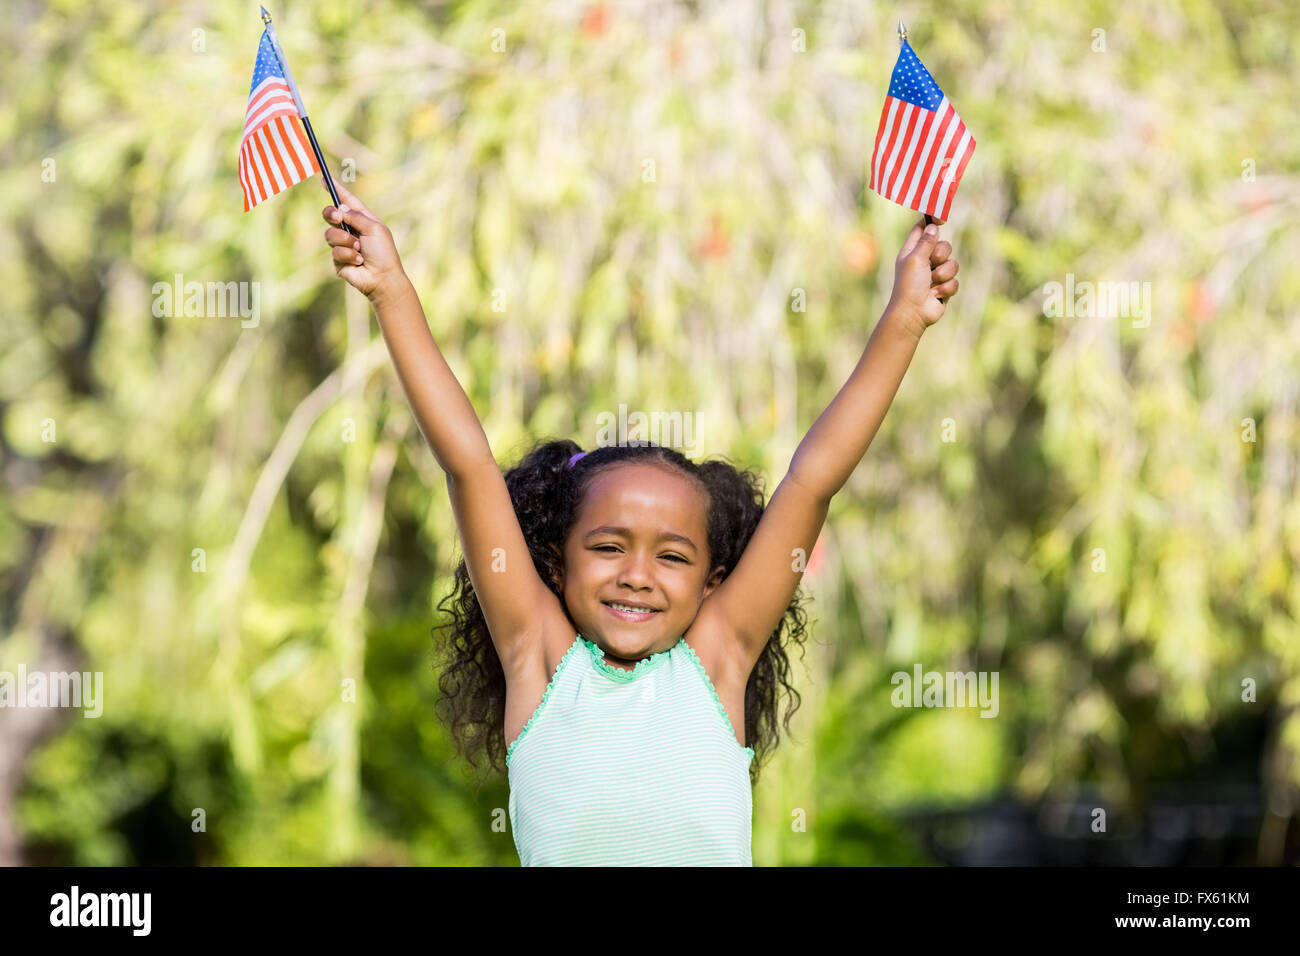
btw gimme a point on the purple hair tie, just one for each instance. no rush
(575, 458)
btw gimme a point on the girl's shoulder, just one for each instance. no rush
(716, 648)
(536, 665)
(557, 640)
(709, 644)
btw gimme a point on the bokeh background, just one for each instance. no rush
(231, 523)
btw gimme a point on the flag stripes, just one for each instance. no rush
(274, 151)
(908, 143)
(275, 156)
(922, 146)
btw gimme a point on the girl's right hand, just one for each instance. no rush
(370, 263)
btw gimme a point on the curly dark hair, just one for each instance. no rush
(545, 493)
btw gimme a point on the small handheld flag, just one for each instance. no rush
(922, 146)
(278, 148)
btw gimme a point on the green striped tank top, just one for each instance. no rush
(630, 768)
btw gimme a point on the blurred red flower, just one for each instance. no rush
(818, 556)
(860, 253)
(595, 21)
(715, 246)
(1199, 303)
(1256, 199)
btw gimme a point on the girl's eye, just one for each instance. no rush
(610, 547)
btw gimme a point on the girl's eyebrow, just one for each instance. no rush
(627, 533)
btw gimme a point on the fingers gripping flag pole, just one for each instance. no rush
(278, 148)
(922, 146)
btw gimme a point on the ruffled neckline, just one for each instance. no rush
(617, 673)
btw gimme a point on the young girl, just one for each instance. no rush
(620, 613)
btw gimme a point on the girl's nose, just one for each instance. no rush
(635, 571)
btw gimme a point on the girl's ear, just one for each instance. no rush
(557, 577)
(714, 580)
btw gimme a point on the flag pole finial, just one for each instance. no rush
(902, 32)
(266, 17)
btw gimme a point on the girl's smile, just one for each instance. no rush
(624, 613)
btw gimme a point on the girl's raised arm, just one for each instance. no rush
(746, 607)
(507, 585)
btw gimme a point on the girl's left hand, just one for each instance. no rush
(923, 278)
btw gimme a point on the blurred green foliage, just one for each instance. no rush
(647, 188)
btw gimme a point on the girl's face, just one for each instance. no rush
(640, 538)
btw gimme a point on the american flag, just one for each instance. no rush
(274, 152)
(922, 146)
